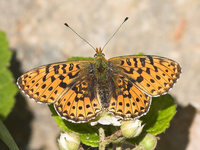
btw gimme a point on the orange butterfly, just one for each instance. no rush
(80, 90)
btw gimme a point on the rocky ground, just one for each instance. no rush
(37, 35)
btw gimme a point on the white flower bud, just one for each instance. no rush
(68, 141)
(106, 119)
(131, 128)
(149, 142)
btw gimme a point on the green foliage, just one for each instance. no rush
(7, 91)
(7, 87)
(6, 137)
(160, 114)
(80, 58)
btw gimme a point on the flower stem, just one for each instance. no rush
(116, 137)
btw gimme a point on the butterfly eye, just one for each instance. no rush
(103, 54)
(95, 55)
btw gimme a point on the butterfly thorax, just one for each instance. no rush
(102, 76)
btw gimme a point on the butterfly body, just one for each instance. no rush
(80, 90)
(102, 74)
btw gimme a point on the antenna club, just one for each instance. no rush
(66, 24)
(126, 19)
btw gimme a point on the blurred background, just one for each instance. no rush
(37, 36)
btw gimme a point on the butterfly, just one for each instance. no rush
(80, 90)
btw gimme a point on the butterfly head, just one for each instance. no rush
(99, 52)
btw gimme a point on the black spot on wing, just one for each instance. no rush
(151, 60)
(47, 68)
(63, 84)
(61, 77)
(43, 86)
(139, 79)
(56, 67)
(156, 68)
(128, 61)
(73, 76)
(148, 70)
(71, 66)
(122, 62)
(50, 88)
(44, 78)
(63, 68)
(135, 62)
(142, 60)
(158, 77)
(139, 70)
(129, 71)
(77, 66)
(53, 78)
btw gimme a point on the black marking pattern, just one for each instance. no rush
(142, 60)
(128, 61)
(128, 103)
(64, 68)
(149, 72)
(56, 67)
(135, 60)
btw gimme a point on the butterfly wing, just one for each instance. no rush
(127, 100)
(80, 103)
(62, 83)
(154, 75)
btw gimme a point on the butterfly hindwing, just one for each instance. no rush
(80, 103)
(152, 74)
(127, 100)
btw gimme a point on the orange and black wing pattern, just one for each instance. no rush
(127, 100)
(135, 79)
(61, 83)
(154, 75)
(80, 103)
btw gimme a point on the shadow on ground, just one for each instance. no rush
(19, 120)
(177, 136)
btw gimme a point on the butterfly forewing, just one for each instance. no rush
(152, 74)
(61, 83)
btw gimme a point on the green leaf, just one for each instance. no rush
(160, 114)
(5, 53)
(88, 134)
(7, 87)
(80, 58)
(6, 137)
(140, 54)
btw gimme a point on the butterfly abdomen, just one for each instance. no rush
(101, 73)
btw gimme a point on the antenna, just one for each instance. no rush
(79, 35)
(115, 32)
